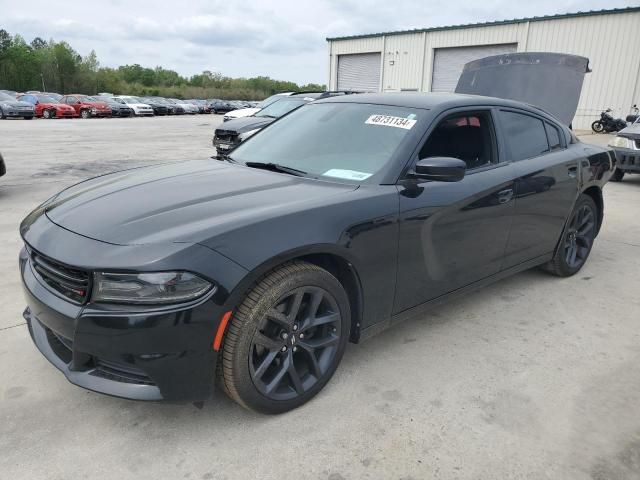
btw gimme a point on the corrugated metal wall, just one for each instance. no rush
(610, 41)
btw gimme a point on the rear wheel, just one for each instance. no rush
(286, 339)
(577, 239)
(597, 126)
(617, 176)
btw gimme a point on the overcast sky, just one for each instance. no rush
(283, 40)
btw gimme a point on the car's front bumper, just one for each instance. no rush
(135, 352)
(66, 113)
(627, 160)
(18, 112)
(101, 113)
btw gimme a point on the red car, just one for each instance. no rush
(86, 106)
(47, 107)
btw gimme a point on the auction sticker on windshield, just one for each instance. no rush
(389, 121)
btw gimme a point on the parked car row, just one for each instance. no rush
(53, 105)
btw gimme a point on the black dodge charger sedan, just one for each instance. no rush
(345, 216)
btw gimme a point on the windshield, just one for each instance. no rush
(86, 98)
(269, 100)
(46, 99)
(347, 141)
(6, 98)
(132, 100)
(281, 107)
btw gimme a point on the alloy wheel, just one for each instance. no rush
(580, 235)
(295, 343)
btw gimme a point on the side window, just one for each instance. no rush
(71, 100)
(553, 136)
(525, 135)
(467, 136)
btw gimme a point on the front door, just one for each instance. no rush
(453, 234)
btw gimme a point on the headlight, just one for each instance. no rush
(94, 110)
(159, 287)
(621, 142)
(245, 135)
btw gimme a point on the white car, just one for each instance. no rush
(139, 108)
(188, 107)
(247, 112)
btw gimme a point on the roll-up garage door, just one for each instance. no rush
(448, 63)
(359, 71)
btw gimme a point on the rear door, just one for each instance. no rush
(453, 234)
(546, 185)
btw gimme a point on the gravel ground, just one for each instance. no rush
(534, 377)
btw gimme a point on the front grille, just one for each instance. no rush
(638, 144)
(228, 137)
(119, 372)
(73, 283)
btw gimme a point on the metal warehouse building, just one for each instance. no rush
(431, 59)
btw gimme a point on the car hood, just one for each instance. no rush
(632, 131)
(550, 81)
(98, 104)
(56, 104)
(241, 125)
(181, 202)
(243, 112)
(16, 103)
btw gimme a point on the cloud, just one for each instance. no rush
(284, 39)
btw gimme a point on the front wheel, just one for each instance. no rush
(577, 239)
(618, 175)
(48, 114)
(85, 114)
(2, 115)
(286, 339)
(597, 126)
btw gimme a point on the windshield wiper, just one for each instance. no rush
(274, 167)
(266, 116)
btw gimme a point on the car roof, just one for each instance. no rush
(426, 101)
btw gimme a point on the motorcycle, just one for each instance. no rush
(607, 123)
(635, 114)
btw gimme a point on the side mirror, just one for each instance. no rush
(440, 169)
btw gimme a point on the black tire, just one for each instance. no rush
(618, 175)
(274, 340)
(597, 126)
(48, 114)
(85, 114)
(2, 115)
(576, 240)
(28, 118)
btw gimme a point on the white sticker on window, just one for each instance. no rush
(347, 174)
(389, 121)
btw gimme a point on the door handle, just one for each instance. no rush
(572, 171)
(504, 196)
